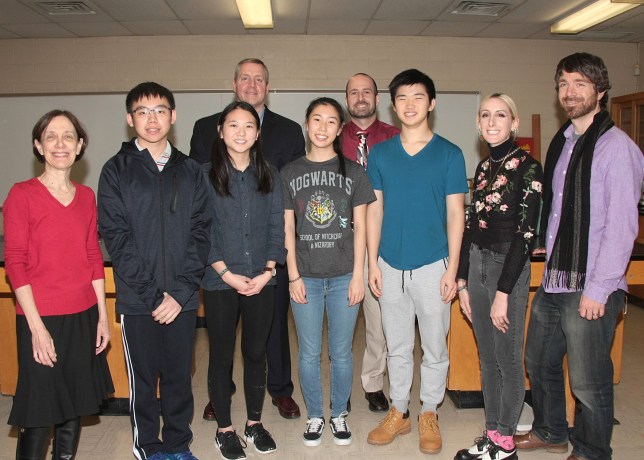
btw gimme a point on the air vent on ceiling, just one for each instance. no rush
(63, 7)
(480, 8)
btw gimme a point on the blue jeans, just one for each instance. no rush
(556, 329)
(341, 317)
(500, 354)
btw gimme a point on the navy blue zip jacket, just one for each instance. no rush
(156, 228)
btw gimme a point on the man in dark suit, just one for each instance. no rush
(282, 142)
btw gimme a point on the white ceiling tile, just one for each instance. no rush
(97, 29)
(128, 10)
(13, 11)
(348, 10)
(543, 10)
(4, 33)
(215, 26)
(290, 10)
(454, 29)
(337, 27)
(283, 27)
(395, 27)
(156, 27)
(504, 30)
(411, 9)
(38, 30)
(204, 9)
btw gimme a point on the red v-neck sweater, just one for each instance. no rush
(53, 248)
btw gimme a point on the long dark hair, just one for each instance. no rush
(221, 162)
(337, 146)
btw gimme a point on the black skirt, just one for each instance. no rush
(77, 384)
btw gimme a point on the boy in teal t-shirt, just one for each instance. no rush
(414, 232)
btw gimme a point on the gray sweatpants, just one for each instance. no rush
(407, 295)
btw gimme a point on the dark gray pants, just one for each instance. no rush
(501, 354)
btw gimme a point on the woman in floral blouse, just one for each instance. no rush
(494, 272)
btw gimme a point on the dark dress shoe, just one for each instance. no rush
(377, 401)
(209, 413)
(286, 406)
(530, 441)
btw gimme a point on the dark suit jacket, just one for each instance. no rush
(282, 139)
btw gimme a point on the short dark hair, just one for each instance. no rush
(148, 89)
(375, 87)
(591, 67)
(412, 77)
(43, 122)
(251, 61)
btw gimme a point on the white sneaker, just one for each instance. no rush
(478, 449)
(496, 452)
(313, 434)
(340, 430)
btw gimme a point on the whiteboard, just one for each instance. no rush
(104, 118)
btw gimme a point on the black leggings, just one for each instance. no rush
(223, 310)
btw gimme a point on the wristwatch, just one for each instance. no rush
(270, 269)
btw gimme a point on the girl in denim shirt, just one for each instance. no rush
(247, 242)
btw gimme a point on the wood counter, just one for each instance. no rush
(464, 371)
(8, 350)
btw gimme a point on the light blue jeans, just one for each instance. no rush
(334, 294)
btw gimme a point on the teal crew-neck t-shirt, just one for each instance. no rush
(415, 188)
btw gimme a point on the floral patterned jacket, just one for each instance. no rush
(504, 213)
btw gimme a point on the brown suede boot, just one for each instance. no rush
(395, 423)
(430, 441)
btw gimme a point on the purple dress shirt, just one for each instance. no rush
(615, 188)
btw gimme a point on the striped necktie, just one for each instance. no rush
(363, 150)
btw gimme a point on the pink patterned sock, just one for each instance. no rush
(504, 441)
(493, 435)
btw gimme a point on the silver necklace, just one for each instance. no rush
(502, 161)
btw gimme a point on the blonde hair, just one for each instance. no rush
(505, 98)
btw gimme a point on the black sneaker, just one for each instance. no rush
(258, 436)
(313, 434)
(480, 447)
(229, 445)
(340, 430)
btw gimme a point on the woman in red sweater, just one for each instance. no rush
(55, 267)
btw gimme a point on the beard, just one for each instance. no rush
(582, 108)
(364, 112)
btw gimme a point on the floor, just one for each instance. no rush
(109, 437)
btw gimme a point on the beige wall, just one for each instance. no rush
(522, 68)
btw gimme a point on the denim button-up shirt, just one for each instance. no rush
(248, 227)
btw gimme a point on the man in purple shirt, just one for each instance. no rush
(358, 136)
(591, 188)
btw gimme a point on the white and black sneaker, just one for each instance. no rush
(480, 447)
(230, 445)
(313, 434)
(340, 430)
(258, 436)
(496, 452)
